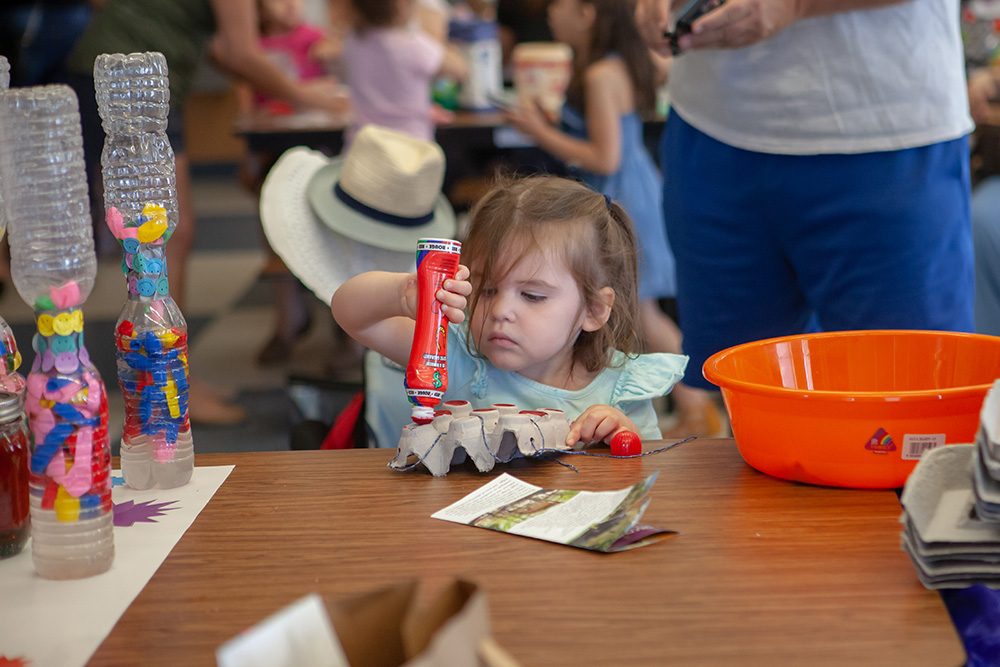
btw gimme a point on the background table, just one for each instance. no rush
(763, 571)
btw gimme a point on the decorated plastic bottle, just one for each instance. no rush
(53, 267)
(11, 381)
(141, 204)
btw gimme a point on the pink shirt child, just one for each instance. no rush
(389, 73)
(291, 51)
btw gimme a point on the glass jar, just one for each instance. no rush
(14, 455)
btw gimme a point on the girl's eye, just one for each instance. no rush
(533, 298)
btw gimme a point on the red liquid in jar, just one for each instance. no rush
(14, 523)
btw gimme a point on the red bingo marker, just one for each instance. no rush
(427, 370)
(626, 443)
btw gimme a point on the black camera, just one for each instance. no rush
(688, 14)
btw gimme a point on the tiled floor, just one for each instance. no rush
(229, 319)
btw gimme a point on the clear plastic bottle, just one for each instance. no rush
(141, 204)
(53, 266)
(10, 358)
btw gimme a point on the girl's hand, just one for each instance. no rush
(452, 295)
(528, 117)
(598, 423)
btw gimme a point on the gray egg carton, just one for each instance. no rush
(499, 433)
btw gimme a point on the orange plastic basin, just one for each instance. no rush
(853, 408)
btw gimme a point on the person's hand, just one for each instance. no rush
(528, 117)
(740, 23)
(598, 423)
(322, 94)
(982, 88)
(652, 17)
(452, 295)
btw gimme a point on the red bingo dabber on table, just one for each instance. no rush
(427, 371)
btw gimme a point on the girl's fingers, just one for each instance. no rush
(463, 287)
(606, 428)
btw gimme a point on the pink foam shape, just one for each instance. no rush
(79, 479)
(66, 295)
(94, 395)
(116, 222)
(56, 469)
(36, 385)
(42, 421)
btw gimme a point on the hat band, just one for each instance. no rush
(376, 214)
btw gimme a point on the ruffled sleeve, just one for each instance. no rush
(647, 376)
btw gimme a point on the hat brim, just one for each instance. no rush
(355, 225)
(316, 254)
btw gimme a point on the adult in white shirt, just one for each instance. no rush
(816, 169)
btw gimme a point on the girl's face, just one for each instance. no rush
(281, 15)
(528, 322)
(571, 21)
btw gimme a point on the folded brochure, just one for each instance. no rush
(605, 521)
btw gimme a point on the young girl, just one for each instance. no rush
(602, 141)
(391, 64)
(551, 290)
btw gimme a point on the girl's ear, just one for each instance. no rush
(589, 12)
(599, 310)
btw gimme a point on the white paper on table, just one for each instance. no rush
(61, 623)
(300, 635)
(502, 491)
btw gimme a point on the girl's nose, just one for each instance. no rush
(501, 307)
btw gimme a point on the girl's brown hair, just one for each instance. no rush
(567, 220)
(615, 32)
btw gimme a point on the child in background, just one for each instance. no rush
(303, 51)
(551, 289)
(300, 49)
(602, 141)
(391, 65)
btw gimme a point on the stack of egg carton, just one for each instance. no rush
(951, 509)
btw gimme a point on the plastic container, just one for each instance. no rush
(14, 454)
(479, 42)
(10, 358)
(426, 378)
(151, 335)
(853, 408)
(53, 267)
(542, 72)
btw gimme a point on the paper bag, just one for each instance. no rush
(387, 629)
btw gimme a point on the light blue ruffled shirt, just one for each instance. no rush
(629, 384)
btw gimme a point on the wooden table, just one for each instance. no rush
(763, 571)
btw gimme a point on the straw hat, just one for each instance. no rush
(330, 219)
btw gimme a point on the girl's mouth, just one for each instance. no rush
(502, 341)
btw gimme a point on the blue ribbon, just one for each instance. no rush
(376, 214)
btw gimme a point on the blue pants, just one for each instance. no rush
(769, 245)
(986, 239)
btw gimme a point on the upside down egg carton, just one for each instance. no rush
(501, 432)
